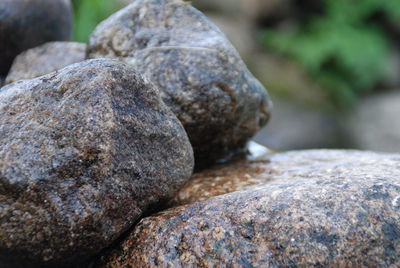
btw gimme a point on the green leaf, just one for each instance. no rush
(343, 51)
(88, 14)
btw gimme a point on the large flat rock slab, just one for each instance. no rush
(314, 208)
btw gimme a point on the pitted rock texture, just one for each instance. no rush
(201, 75)
(315, 209)
(83, 153)
(45, 59)
(28, 23)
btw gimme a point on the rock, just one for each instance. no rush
(202, 77)
(83, 153)
(45, 59)
(222, 179)
(28, 23)
(256, 150)
(298, 126)
(374, 123)
(313, 209)
(226, 178)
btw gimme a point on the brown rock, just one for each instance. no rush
(222, 179)
(28, 23)
(83, 153)
(45, 59)
(313, 209)
(201, 75)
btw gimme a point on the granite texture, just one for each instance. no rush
(316, 208)
(201, 75)
(221, 179)
(45, 59)
(28, 23)
(84, 152)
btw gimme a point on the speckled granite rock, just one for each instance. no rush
(83, 153)
(45, 59)
(222, 179)
(201, 75)
(28, 23)
(237, 175)
(313, 209)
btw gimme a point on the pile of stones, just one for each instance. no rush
(99, 143)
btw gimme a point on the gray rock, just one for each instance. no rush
(45, 59)
(28, 23)
(374, 123)
(202, 77)
(312, 209)
(83, 153)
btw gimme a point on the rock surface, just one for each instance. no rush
(201, 75)
(28, 23)
(313, 209)
(222, 179)
(45, 59)
(83, 152)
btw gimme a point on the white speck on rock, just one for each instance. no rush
(396, 202)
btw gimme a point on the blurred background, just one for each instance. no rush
(332, 67)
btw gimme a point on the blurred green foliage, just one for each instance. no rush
(344, 48)
(89, 13)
